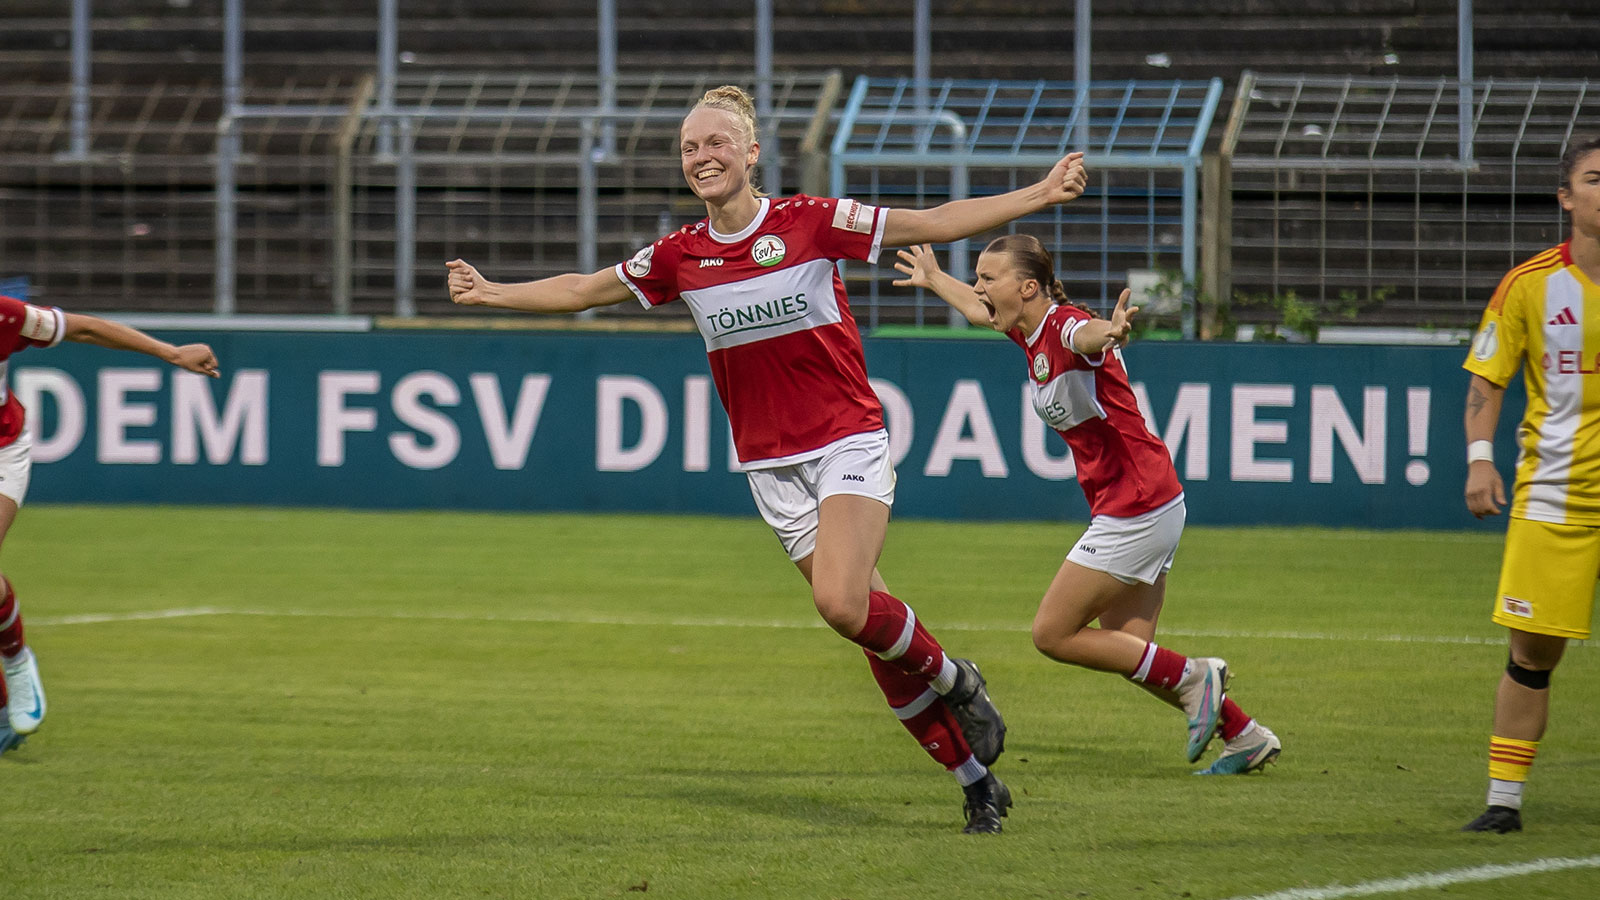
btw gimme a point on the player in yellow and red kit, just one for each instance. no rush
(1546, 314)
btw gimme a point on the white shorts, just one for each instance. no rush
(1133, 549)
(16, 465)
(789, 496)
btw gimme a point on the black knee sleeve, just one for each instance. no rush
(1528, 678)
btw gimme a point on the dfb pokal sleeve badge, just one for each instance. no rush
(639, 266)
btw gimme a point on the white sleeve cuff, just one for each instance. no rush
(1097, 359)
(45, 324)
(878, 228)
(623, 275)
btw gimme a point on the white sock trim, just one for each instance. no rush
(1143, 672)
(945, 681)
(969, 772)
(899, 648)
(1505, 793)
(916, 706)
(16, 610)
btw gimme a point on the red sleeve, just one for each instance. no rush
(26, 325)
(843, 228)
(652, 273)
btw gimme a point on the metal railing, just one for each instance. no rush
(1142, 140)
(1355, 192)
(482, 149)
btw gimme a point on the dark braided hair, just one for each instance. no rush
(1032, 260)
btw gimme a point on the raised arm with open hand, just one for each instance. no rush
(567, 293)
(921, 268)
(1101, 335)
(959, 219)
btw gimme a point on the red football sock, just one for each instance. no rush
(1160, 667)
(893, 633)
(1234, 720)
(922, 712)
(10, 624)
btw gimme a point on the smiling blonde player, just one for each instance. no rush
(760, 278)
(1546, 313)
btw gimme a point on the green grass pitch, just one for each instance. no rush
(432, 705)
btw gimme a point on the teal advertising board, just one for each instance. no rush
(1260, 434)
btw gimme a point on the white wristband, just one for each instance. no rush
(1480, 451)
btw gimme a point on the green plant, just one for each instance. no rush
(1303, 320)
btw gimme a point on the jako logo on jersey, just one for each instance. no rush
(1565, 317)
(851, 476)
(710, 262)
(759, 315)
(1041, 368)
(639, 266)
(1086, 548)
(768, 250)
(1486, 343)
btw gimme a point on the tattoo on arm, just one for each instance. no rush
(1476, 400)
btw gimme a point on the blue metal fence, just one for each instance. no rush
(921, 143)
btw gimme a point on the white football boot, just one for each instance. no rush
(9, 740)
(26, 707)
(1201, 694)
(1250, 749)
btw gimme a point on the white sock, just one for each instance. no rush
(969, 772)
(1148, 657)
(1505, 793)
(944, 682)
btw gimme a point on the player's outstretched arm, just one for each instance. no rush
(86, 329)
(964, 218)
(1100, 335)
(568, 293)
(1486, 491)
(922, 270)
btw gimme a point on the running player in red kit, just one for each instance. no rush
(1117, 572)
(24, 325)
(758, 274)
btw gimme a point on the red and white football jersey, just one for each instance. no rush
(1124, 469)
(22, 325)
(784, 349)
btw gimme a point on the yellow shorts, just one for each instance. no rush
(1547, 578)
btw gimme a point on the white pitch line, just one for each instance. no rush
(1425, 880)
(693, 622)
(139, 616)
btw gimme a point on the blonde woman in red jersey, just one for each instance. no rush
(1117, 571)
(759, 275)
(1547, 312)
(24, 325)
